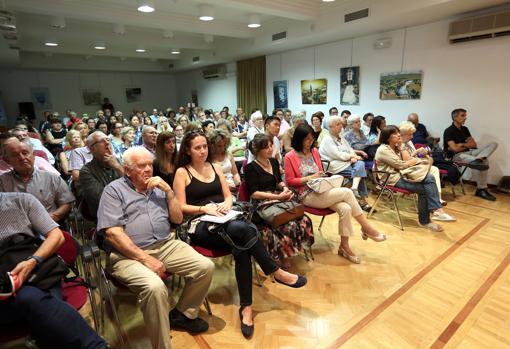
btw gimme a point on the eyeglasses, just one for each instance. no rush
(104, 140)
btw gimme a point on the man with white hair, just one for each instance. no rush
(258, 125)
(149, 137)
(134, 214)
(21, 133)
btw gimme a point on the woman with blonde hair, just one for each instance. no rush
(163, 124)
(73, 140)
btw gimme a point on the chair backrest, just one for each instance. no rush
(419, 145)
(69, 249)
(243, 192)
(41, 154)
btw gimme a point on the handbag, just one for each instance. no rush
(419, 171)
(277, 213)
(323, 184)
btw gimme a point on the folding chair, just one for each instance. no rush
(391, 190)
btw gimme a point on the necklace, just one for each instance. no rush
(267, 165)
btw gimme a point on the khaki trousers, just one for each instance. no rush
(179, 258)
(434, 171)
(341, 200)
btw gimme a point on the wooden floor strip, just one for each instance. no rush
(403, 289)
(202, 342)
(450, 330)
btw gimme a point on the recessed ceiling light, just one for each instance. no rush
(175, 51)
(52, 42)
(140, 49)
(206, 12)
(253, 21)
(328, 0)
(100, 45)
(146, 6)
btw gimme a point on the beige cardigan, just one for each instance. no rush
(391, 161)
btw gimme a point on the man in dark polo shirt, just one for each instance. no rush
(98, 173)
(135, 212)
(463, 148)
(52, 322)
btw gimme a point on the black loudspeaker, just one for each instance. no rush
(504, 185)
(26, 109)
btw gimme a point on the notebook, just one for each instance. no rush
(220, 219)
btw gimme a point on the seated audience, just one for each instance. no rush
(166, 157)
(244, 124)
(223, 159)
(102, 126)
(136, 124)
(201, 188)
(377, 125)
(237, 130)
(264, 182)
(163, 124)
(52, 322)
(99, 172)
(73, 120)
(209, 126)
(318, 131)
(389, 158)
(135, 213)
(149, 136)
(303, 164)
(333, 111)
(183, 120)
(55, 136)
(343, 160)
(421, 134)
(258, 125)
(77, 159)
(179, 135)
(367, 123)
(21, 133)
(297, 119)
(355, 136)
(115, 134)
(127, 134)
(83, 128)
(407, 129)
(147, 121)
(462, 147)
(73, 141)
(236, 147)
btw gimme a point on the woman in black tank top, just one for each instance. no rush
(201, 188)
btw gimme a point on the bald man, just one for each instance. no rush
(421, 134)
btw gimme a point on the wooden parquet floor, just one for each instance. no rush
(416, 290)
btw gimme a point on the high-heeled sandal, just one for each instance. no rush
(352, 259)
(380, 237)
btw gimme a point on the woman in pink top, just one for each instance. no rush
(303, 164)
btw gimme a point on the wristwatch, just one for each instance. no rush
(38, 259)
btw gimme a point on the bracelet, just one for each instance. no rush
(200, 209)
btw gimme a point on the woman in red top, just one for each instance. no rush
(303, 164)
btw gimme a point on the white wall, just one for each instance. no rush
(158, 90)
(471, 75)
(213, 93)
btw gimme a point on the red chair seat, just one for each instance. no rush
(318, 211)
(211, 253)
(443, 172)
(75, 294)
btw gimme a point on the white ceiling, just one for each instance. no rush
(307, 22)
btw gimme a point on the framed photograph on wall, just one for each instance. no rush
(91, 97)
(349, 86)
(314, 91)
(401, 85)
(280, 94)
(41, 98)
(133, 94)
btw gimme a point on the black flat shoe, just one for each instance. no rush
(246, 330)
(484, 194)
(180, 321)
(301, 281)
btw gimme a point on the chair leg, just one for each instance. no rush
(207, 306)
(394, 199)
(375, 203)
(320, 225)
(257, 276)
(311, 252)
(461, 181)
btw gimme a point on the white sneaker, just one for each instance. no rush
(443, 217)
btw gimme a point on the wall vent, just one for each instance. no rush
(480, 27)
(217, 72)
(279, 36)
(349, 17)
(196, 59)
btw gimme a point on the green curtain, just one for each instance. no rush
(251, 84)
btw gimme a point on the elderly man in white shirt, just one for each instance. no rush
(344, 161)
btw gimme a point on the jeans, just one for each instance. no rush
(52, 322)
(240, 232)
(428, 196)
(357, 170)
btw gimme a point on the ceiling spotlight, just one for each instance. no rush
(146, 6)
(175, 51)
(208, 38)
(140, 49)
(328, 0)
(52, 42)
(168, 34)
(253, 21)
(206, 12)
(58, 22)
(119, 29)
(100, 45)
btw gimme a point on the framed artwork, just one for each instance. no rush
(314, 91)
(280, 94)
(92, 97)
(41, 98)
(401, 85)
(349, 86)
(133, 94)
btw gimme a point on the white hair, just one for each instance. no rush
(91, 138)
(407, 127)
(353, 118)
(333, 119)
(127, 157)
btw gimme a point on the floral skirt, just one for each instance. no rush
(287, 240)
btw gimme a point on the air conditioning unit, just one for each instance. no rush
(7, 21)
(480, 27)
(217, 72)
